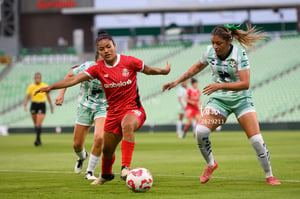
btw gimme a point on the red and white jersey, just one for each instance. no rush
(119, 82)
(193, 95)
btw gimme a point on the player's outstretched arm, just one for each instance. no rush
(60, 98)
(193, 70)
(65, 83)
(157, 71)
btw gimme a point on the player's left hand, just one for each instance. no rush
(209, 89)
(167, 68)
(45, 89)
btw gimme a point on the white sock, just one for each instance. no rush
(262, 153)
(194, 124)
(93, 162)
(81, 154)
(179, 127)
(202, 133)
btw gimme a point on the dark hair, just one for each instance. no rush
(97, 55)
(244, 37)
(193, 80)
(37, 73)
(73, 67)
(103, 35)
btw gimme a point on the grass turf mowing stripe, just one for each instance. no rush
(160, 175)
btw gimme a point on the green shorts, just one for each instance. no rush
(225, 107)
(86, 116)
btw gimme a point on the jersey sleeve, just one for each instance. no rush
(92, 72)
(243, 63)
(81, 68)
(204, 58)
(136, 64)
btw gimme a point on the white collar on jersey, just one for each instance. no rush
(110, 66)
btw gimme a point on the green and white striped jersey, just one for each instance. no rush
(91, 93)
(226, 71)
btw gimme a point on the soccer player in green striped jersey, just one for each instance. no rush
(91, 109)
(229, 93)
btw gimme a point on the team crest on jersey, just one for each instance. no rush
(125, 72)
(232, 63)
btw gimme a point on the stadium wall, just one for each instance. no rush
(41, 30)
(206, 29)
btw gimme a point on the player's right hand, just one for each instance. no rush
(45, 89)
(59, 100)
(169, 86)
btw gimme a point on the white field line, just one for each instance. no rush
(159, 175)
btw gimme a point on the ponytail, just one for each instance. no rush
(245, 37)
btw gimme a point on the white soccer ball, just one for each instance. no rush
(139, 180)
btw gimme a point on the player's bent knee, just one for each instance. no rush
(202, 131)
(107, 152)
(128, 127)
(98, 141)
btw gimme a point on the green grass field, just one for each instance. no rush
(176, 165)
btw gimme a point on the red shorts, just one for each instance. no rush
(113, 120)
(191, 112)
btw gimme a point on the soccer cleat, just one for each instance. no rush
(37, 143)
(103, 178)
(89, 175)
(207, 173)
(79, 164)
(124, 172)
(272, 181)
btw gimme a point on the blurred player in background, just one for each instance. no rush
(229, 94)
(38, 105)
(118, 75)
(91, 109)
(181, 93)
(193, 99)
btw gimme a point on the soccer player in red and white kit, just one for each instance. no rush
(117, 74)
(192, 110)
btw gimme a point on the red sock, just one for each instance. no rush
(186, 128)
(107, 165)
(127, 151)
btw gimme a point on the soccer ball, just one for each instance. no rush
(139, 180)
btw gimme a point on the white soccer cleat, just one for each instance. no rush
(79, 164)
(124, 172)
(90, 176)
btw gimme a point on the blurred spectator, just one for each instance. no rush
(61, 41)
(4, 59)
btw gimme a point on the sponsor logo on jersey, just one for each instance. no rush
(120, 84)
(125, 72)
(137, 112)
(105, 75)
